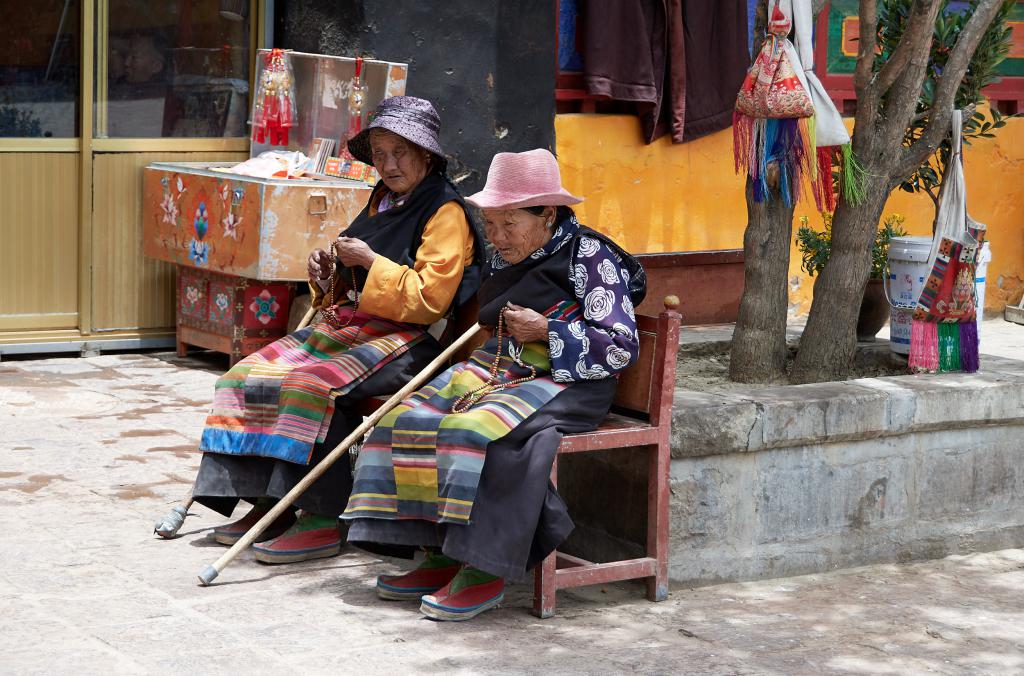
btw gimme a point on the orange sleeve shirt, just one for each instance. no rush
(422, 293)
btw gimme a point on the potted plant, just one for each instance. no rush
(815, 246)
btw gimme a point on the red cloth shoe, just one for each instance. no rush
(414, 584)
(310, 538)
(467, 601)
(230, 533)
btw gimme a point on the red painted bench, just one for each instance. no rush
(640, 421)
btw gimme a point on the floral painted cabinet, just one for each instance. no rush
(229, 314)
(239, 244)
(249, 227)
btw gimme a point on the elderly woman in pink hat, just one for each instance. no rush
(406, 260)
(460, 468)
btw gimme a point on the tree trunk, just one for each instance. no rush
(830, 339)
(887, 99)
(759, 341)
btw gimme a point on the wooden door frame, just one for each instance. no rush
(94, 15)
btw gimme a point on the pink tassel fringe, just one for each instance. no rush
(924, 347)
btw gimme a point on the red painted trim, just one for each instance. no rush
(570, 561)
(686, 258)
(600, 573)
(601, 440)
(840, 87)
(653, 437)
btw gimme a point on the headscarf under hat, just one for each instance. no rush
(411, 118)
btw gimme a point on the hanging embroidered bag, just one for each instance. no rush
(771, 89)
(944, 333)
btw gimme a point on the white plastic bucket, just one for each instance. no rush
(984, 256)
(907, 264)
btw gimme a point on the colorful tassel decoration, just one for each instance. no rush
(851, 176)
(791, 143)
(949, 346)
(924, 347)
(969, 347)
(759, 142)
(824, 192)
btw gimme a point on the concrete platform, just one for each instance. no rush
(93, 450)
(783, 480)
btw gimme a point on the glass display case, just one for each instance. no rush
(238, 233)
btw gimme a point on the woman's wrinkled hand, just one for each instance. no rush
(526, 325)
(352, 252)
(319, 264)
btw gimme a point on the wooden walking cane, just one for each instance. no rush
(169, 525)
(210, 573)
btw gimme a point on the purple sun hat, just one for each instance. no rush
(411, 118)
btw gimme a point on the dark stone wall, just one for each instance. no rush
(488, 66)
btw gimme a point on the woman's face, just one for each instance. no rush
(516, 233)
(401, 164)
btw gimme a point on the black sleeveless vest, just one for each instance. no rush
(398, 232)
(539, 284)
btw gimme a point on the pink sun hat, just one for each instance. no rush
(519, 180)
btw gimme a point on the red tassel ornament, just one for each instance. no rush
(274, 106)
(824, 190)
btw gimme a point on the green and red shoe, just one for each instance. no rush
(435, 572)
(312, 537)
(230, 533)
(470, 593)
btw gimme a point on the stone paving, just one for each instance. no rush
(93, 450)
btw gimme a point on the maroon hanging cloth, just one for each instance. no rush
(717, 58)
(674, 112)
(680, 62)
(624, 54)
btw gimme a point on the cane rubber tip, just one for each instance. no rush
(208, 575)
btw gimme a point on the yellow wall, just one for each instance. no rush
(665, 197)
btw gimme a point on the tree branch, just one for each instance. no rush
(918, 36)
(947, 85)
(902, 100)
(969, 111)
(867, 99)
(867, 44)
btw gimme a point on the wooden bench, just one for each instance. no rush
(640, 421)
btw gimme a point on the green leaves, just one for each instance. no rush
(815, 247)
(981, 72)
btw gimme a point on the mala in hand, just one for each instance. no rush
(493, 384)
(329, 310)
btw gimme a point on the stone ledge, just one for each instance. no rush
(782, 416)
(815, 507)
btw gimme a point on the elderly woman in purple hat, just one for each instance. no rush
(406, 260)
(461, 467)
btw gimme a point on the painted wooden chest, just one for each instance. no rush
(235, 237)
